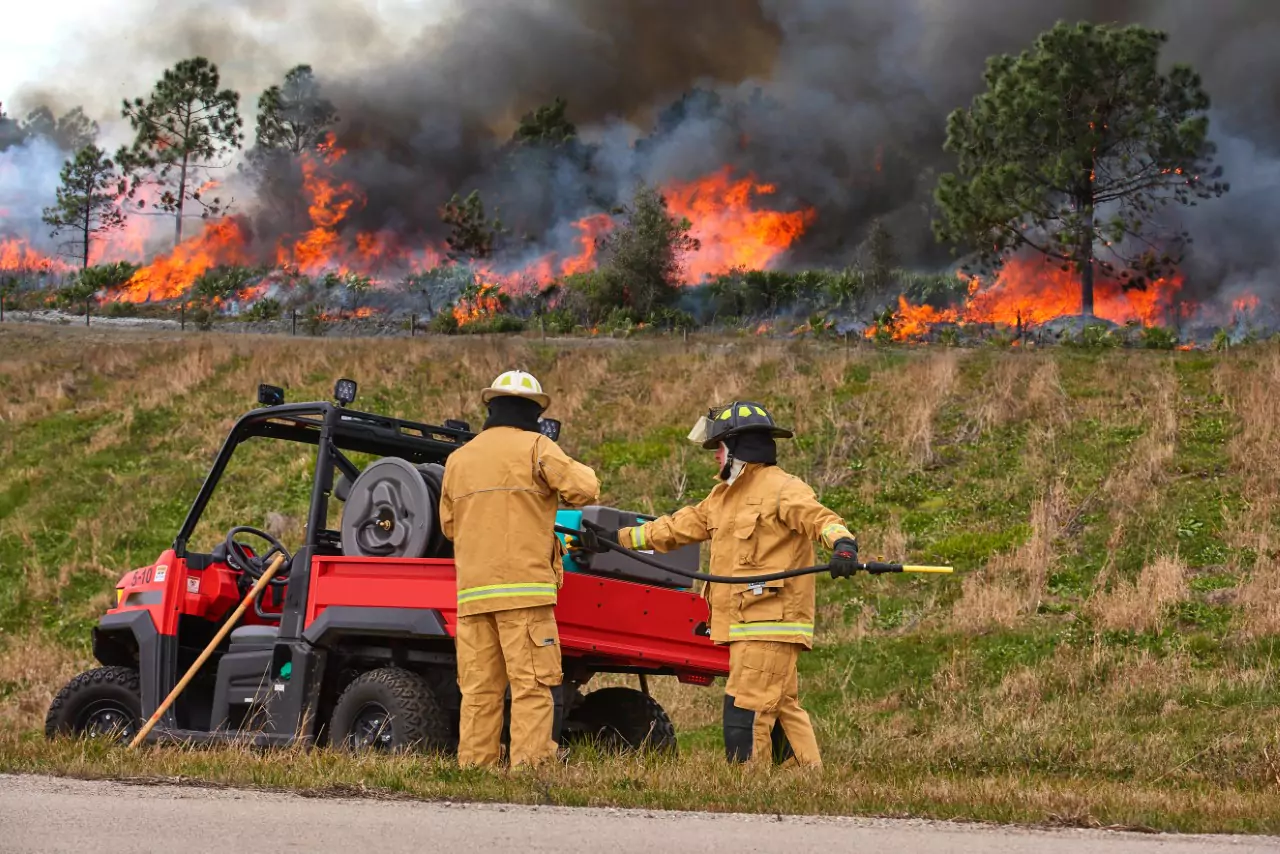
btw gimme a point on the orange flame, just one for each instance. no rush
(19, 257)
(484, 304)
(172, 274)
(732, 233)
(1031, 291)
(330, 201)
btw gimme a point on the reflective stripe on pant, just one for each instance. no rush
(520, 647)
(763, 680)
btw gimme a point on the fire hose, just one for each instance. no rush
(871, 567)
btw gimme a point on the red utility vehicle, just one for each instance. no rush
(353, 642)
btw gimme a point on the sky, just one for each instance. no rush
(50, 64)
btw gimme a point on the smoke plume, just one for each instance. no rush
(839, 103)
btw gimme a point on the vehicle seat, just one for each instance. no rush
(254, 637)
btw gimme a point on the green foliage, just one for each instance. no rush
(1159, 338)
(1083, 122)
(1095, 336)
(88, 200)
(881, 254)
(294, 117)
(666, 317)
(643, 254)
(443, 323)
(108, 277)
(559, 321)
(70, 132)
(186, 127)
(546, 126)
(493, 325)
(315, 322)
(264, 309)
(219, 284)
(1221, 340)
(590, 296)
(77, 293)
(472, 235)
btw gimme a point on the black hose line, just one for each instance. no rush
(875, 568)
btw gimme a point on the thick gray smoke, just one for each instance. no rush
(840, 103)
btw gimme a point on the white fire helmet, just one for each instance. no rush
(516, 384)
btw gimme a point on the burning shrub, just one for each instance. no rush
(443, 323)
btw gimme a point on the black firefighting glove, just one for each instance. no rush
(595, 536)
(844, 558)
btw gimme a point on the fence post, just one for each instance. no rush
(182, 316)
(295, 321)
(413, 325)
(86, 312)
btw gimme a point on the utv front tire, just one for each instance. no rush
(105, 703)
(623, 719)
(389, 709)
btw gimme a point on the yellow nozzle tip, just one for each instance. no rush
(912, 568)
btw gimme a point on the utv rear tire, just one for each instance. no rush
(389, 709)
(623, 719)
(103, 703)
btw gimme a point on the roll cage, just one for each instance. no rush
(332, 429)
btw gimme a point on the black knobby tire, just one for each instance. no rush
(389, 709)
(99, 703)
(622, 719)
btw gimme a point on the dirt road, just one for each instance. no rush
(41, 814)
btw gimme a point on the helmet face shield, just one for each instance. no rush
(701, 431)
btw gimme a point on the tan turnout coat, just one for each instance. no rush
(765, 521)
(498, 506)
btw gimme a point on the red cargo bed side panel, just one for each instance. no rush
(629, 624)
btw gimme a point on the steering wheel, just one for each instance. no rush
(252, 567)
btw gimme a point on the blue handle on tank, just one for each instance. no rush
(569, 519)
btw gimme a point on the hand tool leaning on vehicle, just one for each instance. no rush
(761, 522)
(498, 505)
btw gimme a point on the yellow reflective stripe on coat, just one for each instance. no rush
(745, 630)
(493, 591)
(637, 538)
(835, 528)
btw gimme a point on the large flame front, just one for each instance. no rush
(171, 275)
(731, 232)
(1030, 291)
(18, 257)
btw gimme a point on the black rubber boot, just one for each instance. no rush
(738, 737)
(781, 746)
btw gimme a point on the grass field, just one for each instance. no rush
(1103, 655)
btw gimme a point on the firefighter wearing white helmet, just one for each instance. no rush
(498, 506)
(759, 520)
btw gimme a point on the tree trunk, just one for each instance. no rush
(88, 204)
(182, 195)
(1084, 259)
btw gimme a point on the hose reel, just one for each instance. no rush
(390, 510)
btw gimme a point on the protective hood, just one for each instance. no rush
(519, 412)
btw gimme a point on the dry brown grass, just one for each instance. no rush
(1142, 605)
(916, 398)
(1011, 586)
(36, 666)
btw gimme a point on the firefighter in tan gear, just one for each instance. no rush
(498, 506)
(759, 520)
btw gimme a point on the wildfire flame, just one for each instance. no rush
(1031, 291)
(731, 232)
(483, 304)
(172, 274)
(19, 257)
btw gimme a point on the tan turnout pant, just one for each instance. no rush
(520, 647)
(763, 679)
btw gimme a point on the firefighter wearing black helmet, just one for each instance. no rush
(759, 520)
